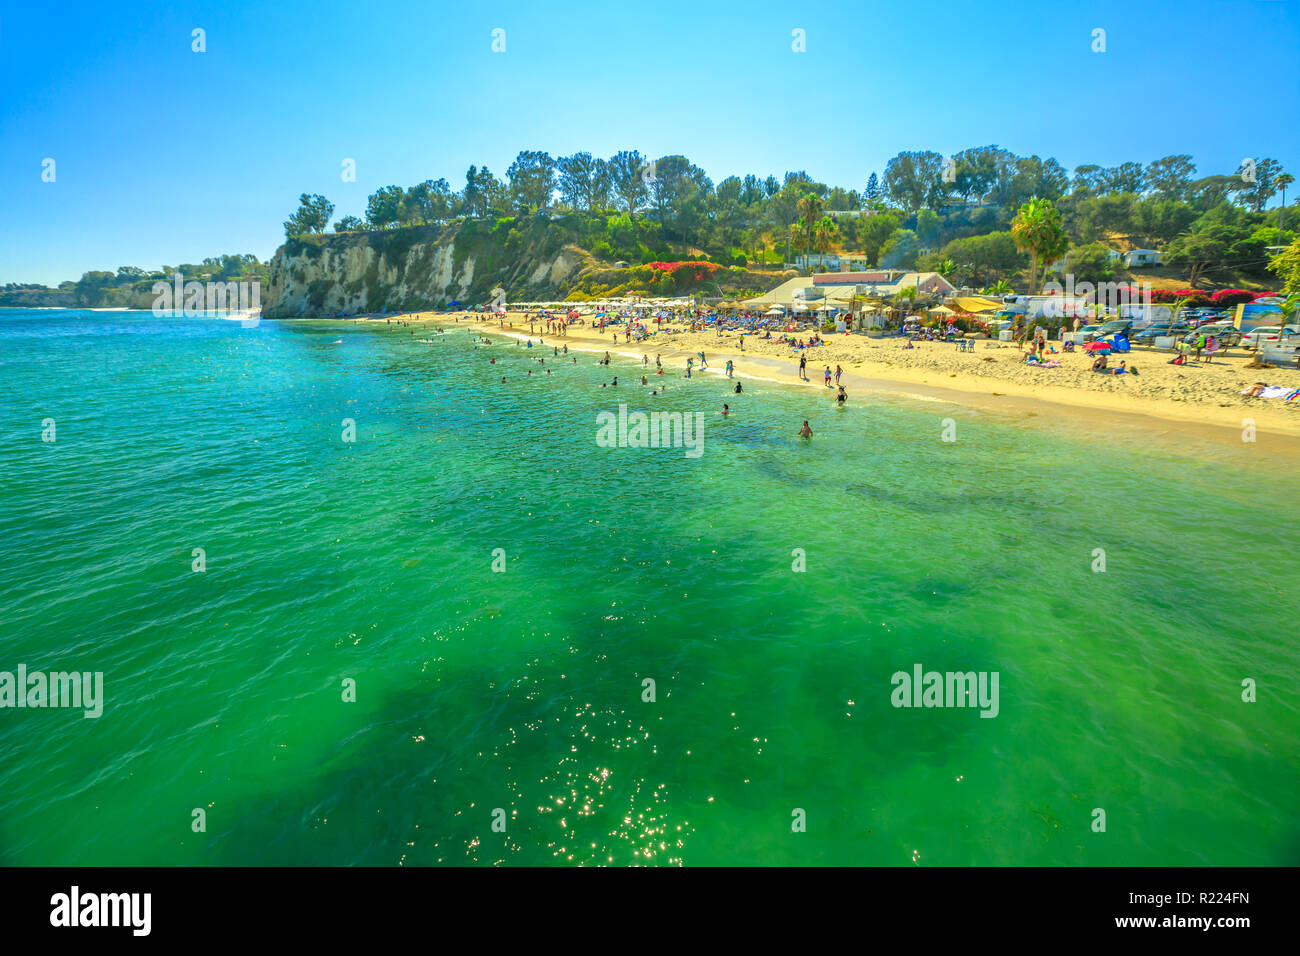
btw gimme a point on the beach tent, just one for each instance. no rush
(977, 303)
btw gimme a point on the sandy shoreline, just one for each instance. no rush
(1201, 403)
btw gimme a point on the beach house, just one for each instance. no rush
(838, 290)
(1136, 258)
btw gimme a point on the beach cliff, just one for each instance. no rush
(421, 267)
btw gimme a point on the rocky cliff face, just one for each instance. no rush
(422, 267)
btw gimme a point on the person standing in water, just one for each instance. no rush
(806, 431)
(842, 397)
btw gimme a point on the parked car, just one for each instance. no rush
(1122, 327)
(1226, 333)
(1267, 334)
(1148, 335)
(1089, 332)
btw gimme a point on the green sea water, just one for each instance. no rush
(521, 690)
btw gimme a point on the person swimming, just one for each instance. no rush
(737, 389)
(726, 409)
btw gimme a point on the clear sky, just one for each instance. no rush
(164, 155)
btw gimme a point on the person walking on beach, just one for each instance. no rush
(730, 368)
(803, 364)
(806, 431)
(658, 363)
(703, 363)
(828, 376)
(838, 372)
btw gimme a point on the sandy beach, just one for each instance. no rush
(1200, 399)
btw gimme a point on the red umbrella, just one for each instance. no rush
(1097, 346)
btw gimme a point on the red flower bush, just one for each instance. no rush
(1228, 297)
(684, 272)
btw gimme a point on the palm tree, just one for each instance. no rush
(1284, 180)
(810, 210)
(825, 233)
(1288, 307)
(1001, 287)
(1038, 230)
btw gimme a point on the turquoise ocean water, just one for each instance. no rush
(373, 561)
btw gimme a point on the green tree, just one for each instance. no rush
(810, 210)
(1217, 241)
(1171, 177)
(313, 215)
(1093, 262)
(911, 178)
(532, 180)
(626, 169)
(872, 193)
(1038, 230)
(873, 232)
(1255, 191)
(383, 207)
(980, 258)
(583, 181)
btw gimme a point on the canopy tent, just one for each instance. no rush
(977, 304)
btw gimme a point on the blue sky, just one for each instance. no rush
(164, 155)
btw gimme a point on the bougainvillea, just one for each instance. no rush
(681, 272)
(1227, 297)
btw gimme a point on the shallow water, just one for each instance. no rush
(522, 690)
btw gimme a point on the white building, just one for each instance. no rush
(1136, 258)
